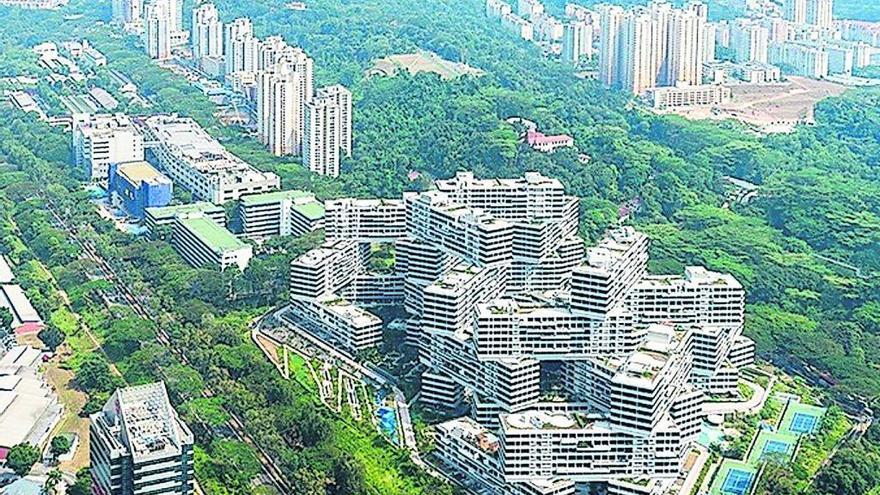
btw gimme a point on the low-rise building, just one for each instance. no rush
(26, 103)
(203, 243)
(196, 161)
(279, 213)
(136, 186)
(160, 220)
(29, 409)
(104, 99)
(25, 318)
(92, 55)
(748, 72)
(6, 274)
(704, 95)
(548, 143)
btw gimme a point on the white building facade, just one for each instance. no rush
(99, 140)
(501, 298)
(195, 160)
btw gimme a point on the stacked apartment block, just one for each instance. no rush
(572, 365)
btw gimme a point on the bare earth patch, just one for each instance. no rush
(773, 107)
(73, 400)
(422, 61)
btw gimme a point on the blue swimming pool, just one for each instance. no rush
(388, 422)
(710, 435)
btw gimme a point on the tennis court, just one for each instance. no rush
(774, 447)
(737, 482)
(801, 419)
(733, 478)
(772, 444)
(803, 423)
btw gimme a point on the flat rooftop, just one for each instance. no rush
(21, 355)
(364, 203)
(140, 172)
(215, 236)
(537, 419)
(440, 201)
(455, 280)
(24, 101)
(466, 180)
(104, 98)
(312, 211)
(27, 406)
(151, 426)
(6, 275)
(105, 124)
(694, 276)
(471, 432)
(345, 310)
(188, 141)
(172, 211)
(315, 257)
(13, 298)
(275, 197)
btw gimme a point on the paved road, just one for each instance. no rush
(271, 470)
(694, 473)
(374, 374)
(751, 406)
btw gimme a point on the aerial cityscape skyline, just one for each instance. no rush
(491, 247)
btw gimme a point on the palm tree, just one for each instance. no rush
(51, 485)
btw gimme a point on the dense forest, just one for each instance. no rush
(808, 248)
(207, 321)
(818, 196)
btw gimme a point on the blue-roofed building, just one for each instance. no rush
(135, 186)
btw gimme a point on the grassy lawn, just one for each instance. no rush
(299, 371)
(71, 422)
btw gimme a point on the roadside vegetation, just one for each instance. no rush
(807, 249)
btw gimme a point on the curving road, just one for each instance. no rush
(271, 470)
(751, 406)
(372, 373)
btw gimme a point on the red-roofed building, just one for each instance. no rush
(548, 144)
(29, 328)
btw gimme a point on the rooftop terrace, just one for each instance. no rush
(150, 424)
(171, 211)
